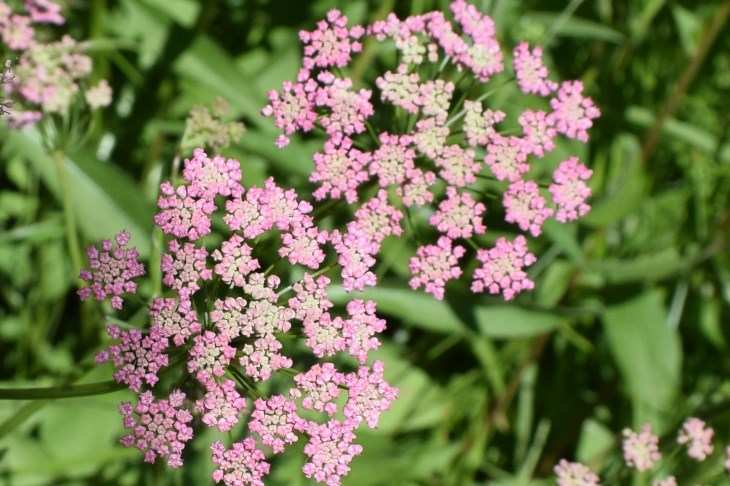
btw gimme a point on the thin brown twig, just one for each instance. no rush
(686, 80)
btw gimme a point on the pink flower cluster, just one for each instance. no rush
(112, 271)
(49, 75)
(641, 452)
(450, 143)
(230, 320)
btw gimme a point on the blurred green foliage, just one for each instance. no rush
(627, 324)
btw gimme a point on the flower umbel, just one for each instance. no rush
(230, 323)
(435, 134)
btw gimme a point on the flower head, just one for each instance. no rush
(641, 450)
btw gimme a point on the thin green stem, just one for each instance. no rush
(72, 240)
(63, 391)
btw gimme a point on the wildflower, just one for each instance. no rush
(572, 114)
(575, 474)
(501, 270)
(459, 216)
(241, 343)
(221, 405)
(526, 207)
(435, 265)
(319, 387)
(641, 450)
(404, 158)
(569, 190)
(698, 437)
(137, 358)
(531, 72)
(112, 271)
(377, 219)
(99, 96)
(162, 429)
(243, 463)
(330, 450)
(341, 169)
(368, 394)
(275, 420)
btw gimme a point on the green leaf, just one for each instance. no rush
(692, 135)
(648, 354)
(645, 268)
(104, 198)
(206, 63)
(413, 307)
(580, 28)
(505, 321)
(625, 191)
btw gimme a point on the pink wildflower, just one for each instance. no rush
(332, 44)
(209, 357)
(670, 481)
(531, 72)
(569, 190)
(368, 394)
(699, 438)
(228, 317)
(319, 387)
(162, 429)
(484, 56)
(459, 216)
(184, 268)
(235, 261)
(641, 451)
(457, 165)
(330, 451)
(401, 89)
(212, 177)
(311, 300)
(275, 421)
(507, 157)
(572, 113)
(302, 245)
(416, 190)
(501, 270)
(393, 160)
(324, 335)
(435, 265)
(538, 132)
(377, 219)
(137, 358)
(360, 328)
(242, 464)
(340, 169)
(293, 109)
(478, 124)
(435, 98)
(221, 405)
(575, 474)
(354, 252)
(348, 109)
(182, 215)
(430, 137)
(175, 318)
(262, 358)
(112, 271)
(525, 206)
(44, 12)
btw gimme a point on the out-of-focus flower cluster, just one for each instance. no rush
(231, 322)
(442, 143)
(205, 125)
(641, 452)
(49, 76)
